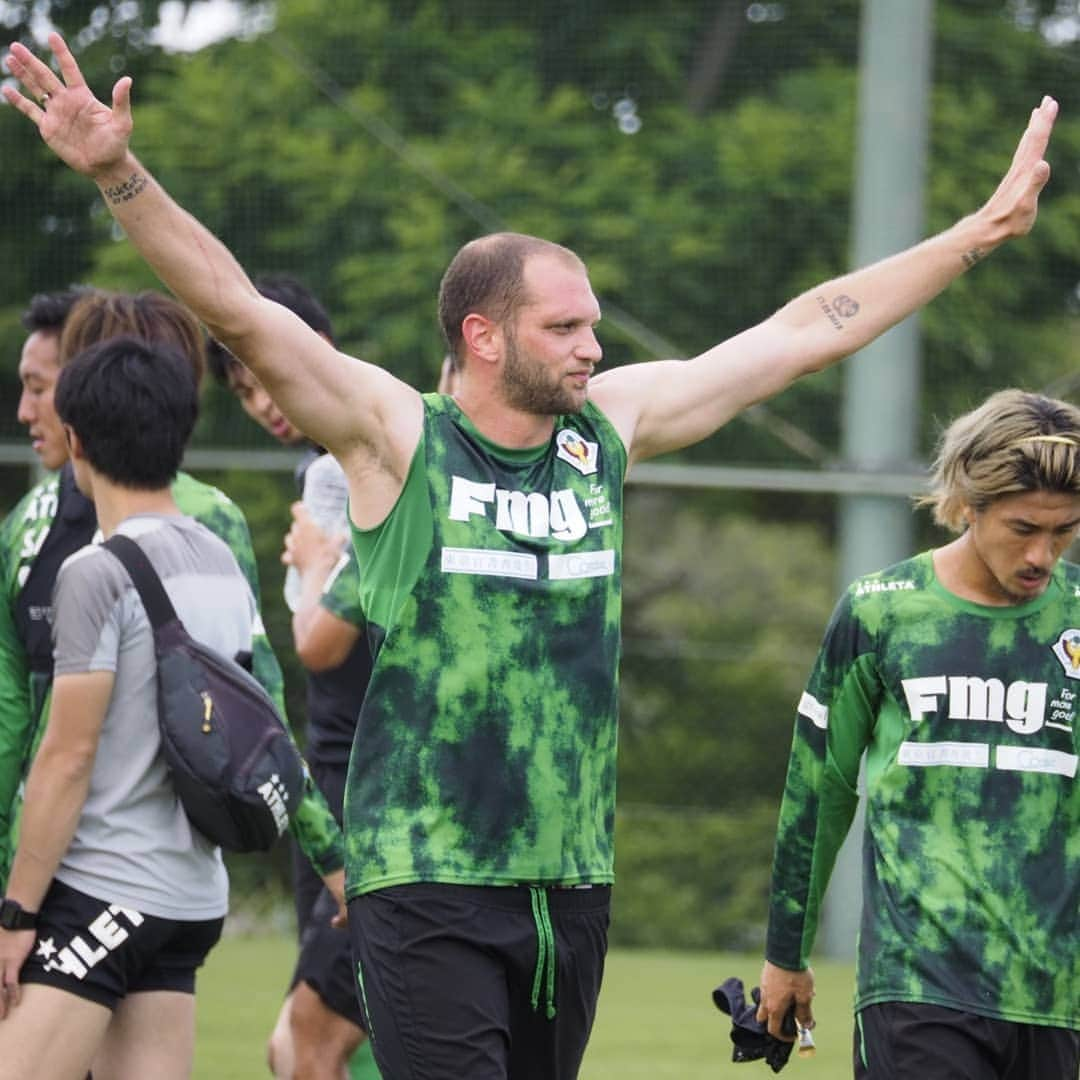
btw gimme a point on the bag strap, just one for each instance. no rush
(144, 577)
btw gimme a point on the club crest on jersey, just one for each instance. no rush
(1067, 650)
(576, 451)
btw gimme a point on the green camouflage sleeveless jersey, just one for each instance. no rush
(485, 750)
(24, 697)
(971, 864)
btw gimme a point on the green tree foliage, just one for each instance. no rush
(128, 24)
(53, 219)
(361, 150)
(122, 19)
(690, 878)
(700, 158)
(722, 617)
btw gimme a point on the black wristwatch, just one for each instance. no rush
(13, 917)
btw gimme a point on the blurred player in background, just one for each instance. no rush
(320, 1025)
(55, 519)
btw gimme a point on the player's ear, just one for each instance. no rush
(74, 443)
(483, 337)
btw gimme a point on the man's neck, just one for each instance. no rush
(959, 570)
(504, 425)
(115, 504)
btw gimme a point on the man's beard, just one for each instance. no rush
(527, 386)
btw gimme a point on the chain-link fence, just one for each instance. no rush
(700, 156)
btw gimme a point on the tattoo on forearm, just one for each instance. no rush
(972, 257)
(126, 191)
(846, 307)
(842, 307)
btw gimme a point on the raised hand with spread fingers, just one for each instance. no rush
(82, 131)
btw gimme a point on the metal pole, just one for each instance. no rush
(881, 385)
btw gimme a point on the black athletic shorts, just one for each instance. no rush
(899, 1040)
(480, 983)
(325, 962)
(103, 952)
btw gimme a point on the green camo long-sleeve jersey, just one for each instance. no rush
(971, 859)
(50, 521)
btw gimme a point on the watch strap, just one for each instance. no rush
(13, 916)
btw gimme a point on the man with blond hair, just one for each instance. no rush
(957, 672)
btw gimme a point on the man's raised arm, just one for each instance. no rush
(669, 404)
(368, 418)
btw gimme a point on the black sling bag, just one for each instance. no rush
(237, 771)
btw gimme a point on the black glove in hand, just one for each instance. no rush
(751, 1038)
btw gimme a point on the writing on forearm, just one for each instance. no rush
(121, 193)
(842, 307)
(972, 257)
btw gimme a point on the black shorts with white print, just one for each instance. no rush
(102, 952)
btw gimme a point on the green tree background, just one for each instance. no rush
(358, 144)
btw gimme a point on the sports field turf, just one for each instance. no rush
(656, 1018)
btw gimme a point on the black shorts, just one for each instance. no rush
(485, 983)
(325, 962)
(103, 952)
(897, 1040)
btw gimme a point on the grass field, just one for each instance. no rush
(656, 1018)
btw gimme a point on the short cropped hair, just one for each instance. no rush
(48, 311)
(150, 316)
(487, 277)
(133, 405)
(287, 291)
(1012, 443)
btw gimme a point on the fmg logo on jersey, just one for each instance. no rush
(1021, 706)
(532, 513)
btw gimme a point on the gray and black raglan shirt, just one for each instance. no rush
(134, 845)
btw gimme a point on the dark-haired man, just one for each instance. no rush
(256, 402)
(479, 817)
(320, 1025)
(23, 684)
(114, 898)
(39, 366)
